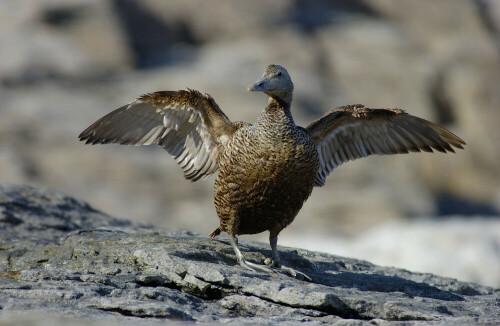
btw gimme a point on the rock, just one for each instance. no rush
(76, 40)
(61, 258)
(64, 64)
(455, 246)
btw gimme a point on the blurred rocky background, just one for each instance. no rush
(64, 64)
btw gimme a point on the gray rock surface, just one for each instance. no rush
(62, 260)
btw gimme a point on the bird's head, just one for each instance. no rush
(276, 83)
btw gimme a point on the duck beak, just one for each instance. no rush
(257, 87)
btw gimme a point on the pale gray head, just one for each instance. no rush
(276, 83)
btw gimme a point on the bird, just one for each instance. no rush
(266, 169)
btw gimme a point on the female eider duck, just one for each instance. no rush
(267, 169)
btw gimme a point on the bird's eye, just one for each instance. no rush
(279, 74)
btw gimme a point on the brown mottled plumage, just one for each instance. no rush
(254, 190)
(268, 169)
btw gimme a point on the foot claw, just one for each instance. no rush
(261, 268)
(290, 271)
(255, 267)
(296, 274)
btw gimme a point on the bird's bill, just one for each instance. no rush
(258, 86)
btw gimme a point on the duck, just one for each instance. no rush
(266, 169)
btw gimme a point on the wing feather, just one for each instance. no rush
(187, 124)
(351, 132)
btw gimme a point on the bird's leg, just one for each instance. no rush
(275, 261)
(246, 264)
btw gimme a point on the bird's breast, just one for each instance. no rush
(266, 174)
(270, 152)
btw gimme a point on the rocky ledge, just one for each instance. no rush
(60, 258)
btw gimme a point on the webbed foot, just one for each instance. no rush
(246, 264)
(255, 267)
(292, 272)
(271, 264)
(276, 262)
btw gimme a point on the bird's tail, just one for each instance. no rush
(215, 233)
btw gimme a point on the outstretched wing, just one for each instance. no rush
(350, 132)
(187, 124)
